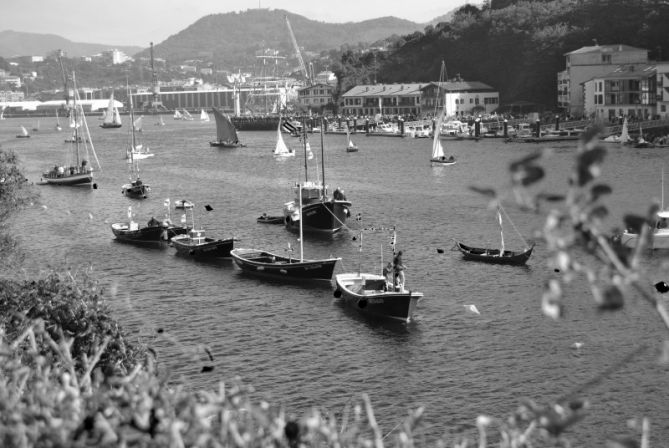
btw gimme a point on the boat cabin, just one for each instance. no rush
(197, 236)
(310, 191)
(662, 221)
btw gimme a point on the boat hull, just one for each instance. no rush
(110, 125)
(660, 239)
(224, 144)
(255, 123)
(148, 234)
(135, 191)
(69, 180)
(369, 294)
(492, 255)
(210, 248)
(442, 162)
(319, 217)
(263, 263)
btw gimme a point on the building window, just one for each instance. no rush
(606, 58)
(663, 108)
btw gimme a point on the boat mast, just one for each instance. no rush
(301, 243)
(75, 112)
(323, 157)
(304, 142)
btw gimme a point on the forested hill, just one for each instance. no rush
(519, 48)
(16, 43)
(231, 39)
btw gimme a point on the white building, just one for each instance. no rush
(460, 97)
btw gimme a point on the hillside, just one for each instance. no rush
(231, 39)
(15, 43)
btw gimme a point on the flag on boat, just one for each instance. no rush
(167, 202)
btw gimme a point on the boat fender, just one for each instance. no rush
(95, 186)
(347, 212)
(289, 220)
(337, 293)
(362, 304)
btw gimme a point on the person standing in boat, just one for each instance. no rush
(398, 266)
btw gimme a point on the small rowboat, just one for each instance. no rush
(183, 204)
(493, 256)
(266, 219)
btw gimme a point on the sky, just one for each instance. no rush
(138, 22)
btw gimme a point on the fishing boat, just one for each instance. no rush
(135, 189)
(196, 244)
(226, 134)
(265, 263)
(183, 204)
(77, 170)
(351, 147)
(24, 133)
(659, 230)
(268, 219)
(111, 118)
(496, 255)
(155, 231)
(281, 149)
(204, 116)
(321, 213)
(377, 294)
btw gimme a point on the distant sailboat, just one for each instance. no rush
(226, 134)
(2, 113)
(281, 150)
(138, 123)
(351, 147)
(438, 157)
(178, 115)
(186, 115)
(135, 188)
(204, 116)
(58, 126)
(112, 119)
(23, 134)
(160, 122)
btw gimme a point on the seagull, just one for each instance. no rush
(472, 308)
(44, 207)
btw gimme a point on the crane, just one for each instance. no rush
(303, 67)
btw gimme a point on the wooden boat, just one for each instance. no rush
(322, 214)
(154, 232)
(265, 263)
(370, 294)
(493, 255)
(183, 204)
(226, 134)
(78, 171)
(111, 118)
(499, 255)
(136, 188)
(267, 219)
(195, 244)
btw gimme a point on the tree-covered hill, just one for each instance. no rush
(230, 40)
(15, 43)
(519, 48)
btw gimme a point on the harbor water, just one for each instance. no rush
(298, 345)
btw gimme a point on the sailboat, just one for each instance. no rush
(77, 171)
(135, 188)
(226, 134)
(377, 294)
(659, 230)
(281, 150)
(24, 133)
(111, 118)
(204, 116)
(642, 142)
(58, 126)
(178, 115)
(139, 151)
(438, 157)
(351, 147)
(624, 136)
(321, 213)
(160, 121)
(138, 123)
(2, 113)
(264, 263)
(500, 255)
(186, 115)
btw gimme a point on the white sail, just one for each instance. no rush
(348, 136)
(187, 115)
(178, 115)
(624, 134)
(111, 116)
(137, 124)
(2, 113)
(24, 131)
(281, 149)
(437, 149)
(204, 116)
(310, 155)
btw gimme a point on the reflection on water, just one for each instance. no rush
(301, 347)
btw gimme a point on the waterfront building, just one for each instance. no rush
(588, 62)
(461, 98)
(627, 91)
(662, 86)
(384, 99)
(315, 97)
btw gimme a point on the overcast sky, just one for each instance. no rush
(138, 22)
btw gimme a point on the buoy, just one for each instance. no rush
(337, 293)
(362, 304)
